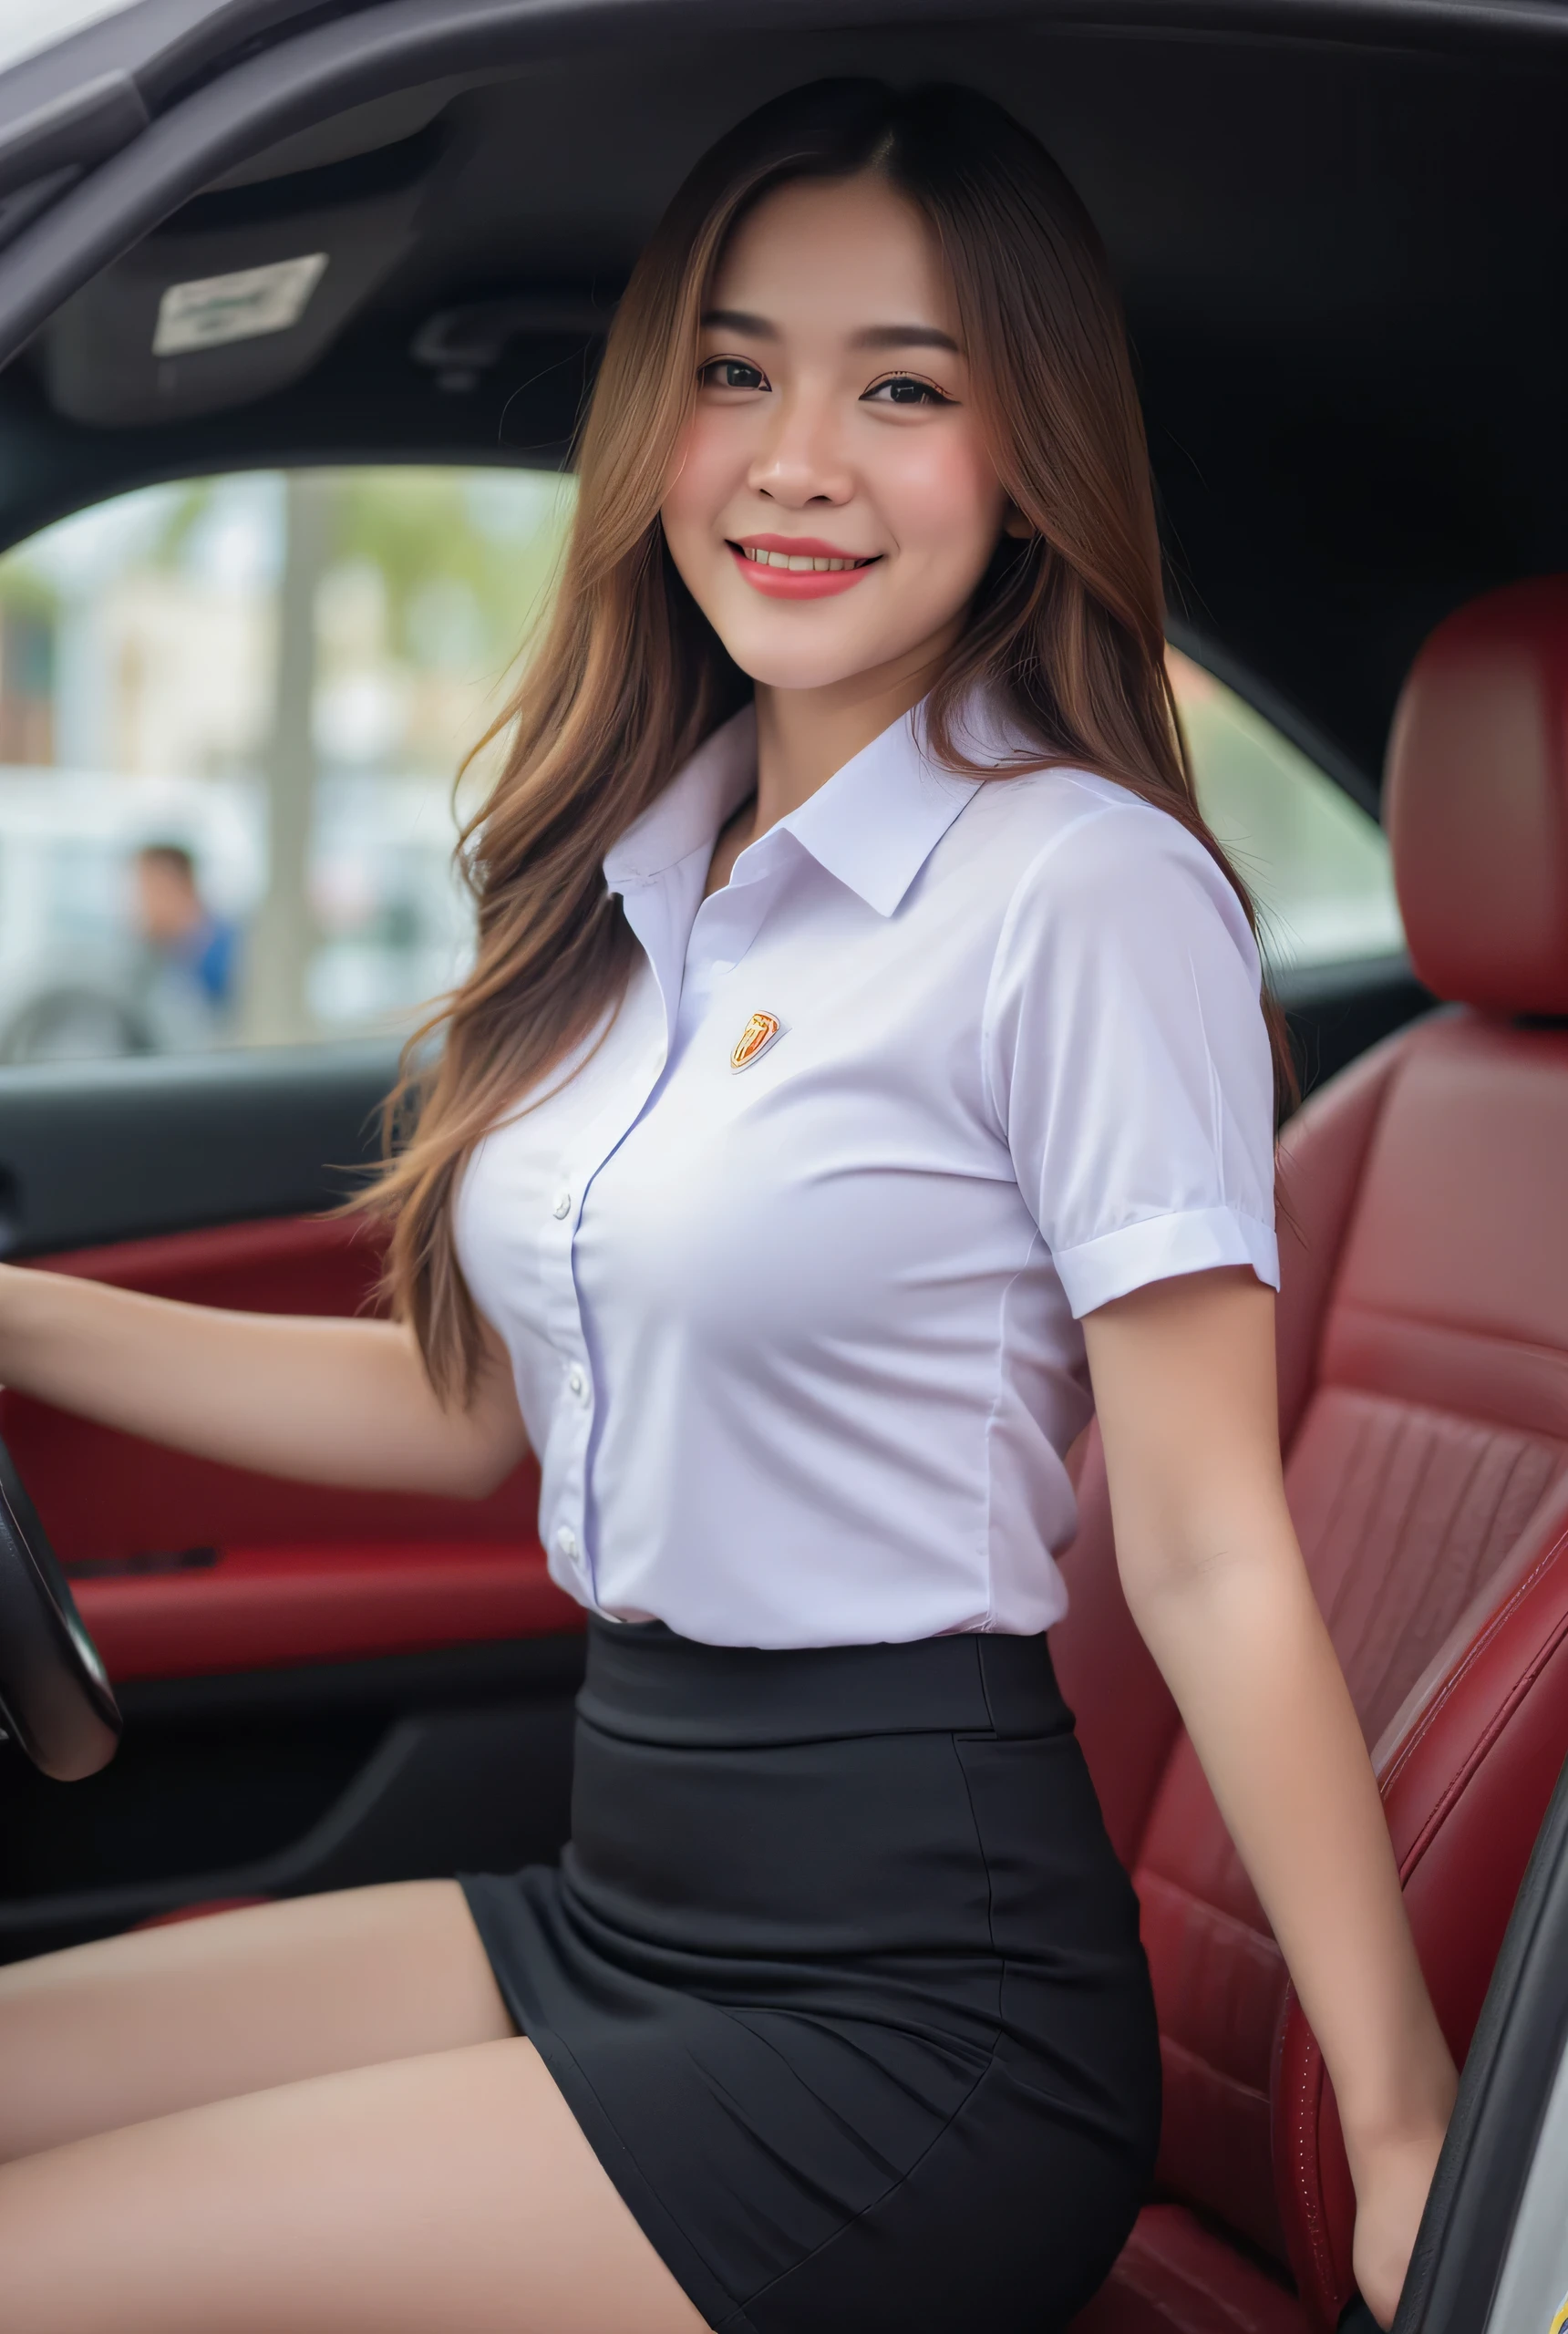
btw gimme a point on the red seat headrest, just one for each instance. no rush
(1476, 802)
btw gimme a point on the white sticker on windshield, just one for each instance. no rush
(218, 308)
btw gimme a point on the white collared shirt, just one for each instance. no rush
(798, 1344)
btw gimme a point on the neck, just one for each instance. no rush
(803, 736)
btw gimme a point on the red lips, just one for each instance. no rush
(801, 582)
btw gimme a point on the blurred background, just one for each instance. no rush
(230, 714)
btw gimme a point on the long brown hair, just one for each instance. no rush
(628, 678)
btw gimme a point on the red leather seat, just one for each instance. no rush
(1423, 1346)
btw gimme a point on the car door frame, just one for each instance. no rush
(1476, 2221)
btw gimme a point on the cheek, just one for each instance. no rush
(941, 495)
(703, 481)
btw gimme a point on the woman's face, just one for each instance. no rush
(834, 430)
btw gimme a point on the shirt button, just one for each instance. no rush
(577, 1382)
(560, 1205)
(566, 1542)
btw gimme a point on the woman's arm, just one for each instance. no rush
(1183, 1377)
(324, 1401)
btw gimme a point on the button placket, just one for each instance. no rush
(729, 921)
(663, 923)
(571, 1429)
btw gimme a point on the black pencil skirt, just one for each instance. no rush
(842, 1981)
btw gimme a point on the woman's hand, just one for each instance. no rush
(1183, 1377)
(1392, 2177)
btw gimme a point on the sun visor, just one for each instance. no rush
(237, 296)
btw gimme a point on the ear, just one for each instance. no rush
(1014, 524)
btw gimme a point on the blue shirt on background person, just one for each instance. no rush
(190, 959)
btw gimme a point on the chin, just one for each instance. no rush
(783, 671)
(768, 654)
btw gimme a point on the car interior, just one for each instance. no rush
(1340, 233)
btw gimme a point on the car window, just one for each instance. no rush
(28, 25)
(1317, 865)
(230, 713)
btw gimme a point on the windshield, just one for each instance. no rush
(28, 25)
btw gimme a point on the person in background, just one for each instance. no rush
(189, 965)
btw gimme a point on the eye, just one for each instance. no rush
(732, 373)
(905, 388)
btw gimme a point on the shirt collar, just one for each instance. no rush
(877, 820)
(873, 824)
(702, 796)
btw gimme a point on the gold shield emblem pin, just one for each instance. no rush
(763, 1029)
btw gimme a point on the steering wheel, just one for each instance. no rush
(55, 1694)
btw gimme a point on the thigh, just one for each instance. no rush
(453, 2192)
(145, 2025)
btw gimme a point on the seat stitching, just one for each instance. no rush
(1242, 1931)
(1484, 1445)
(1242, 2089)
(1312, 2075)
(1331, 1525)
(1450, 1686)
(1428, 1322)
(1387, 1575)
(1465, 1775)
(1310, 2195)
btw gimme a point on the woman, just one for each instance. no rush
(865, 1039)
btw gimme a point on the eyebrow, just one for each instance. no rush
(874, 336)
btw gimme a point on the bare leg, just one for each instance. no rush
(145, 2025)
(446, 2194)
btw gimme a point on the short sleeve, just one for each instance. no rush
(1129, 1061)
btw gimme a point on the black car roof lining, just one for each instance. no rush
(80, 127)
(1345, 262)
(357, 131)
(355, 53)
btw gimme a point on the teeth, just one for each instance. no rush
(798, 563)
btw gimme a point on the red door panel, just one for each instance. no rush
(271, 1572)
(260, 1607)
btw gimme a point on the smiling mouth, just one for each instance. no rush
(806, 570)
(801, 562)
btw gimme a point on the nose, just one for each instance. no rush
(801, 459)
